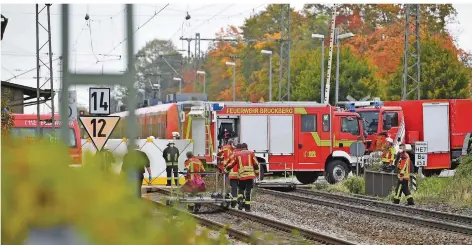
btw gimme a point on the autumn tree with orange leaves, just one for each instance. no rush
(371, 62)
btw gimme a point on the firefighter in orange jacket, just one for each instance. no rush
(225, 153)
(388, 155)
(234, 176)
(194, 166)
(248, 169)
(403, 177)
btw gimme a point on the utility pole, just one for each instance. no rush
(197, 59)
(38, 60)
(285, 49)
(412, 73)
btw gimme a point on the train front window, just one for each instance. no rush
(371, 121)
(45, 133)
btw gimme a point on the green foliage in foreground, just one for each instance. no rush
(39, 189)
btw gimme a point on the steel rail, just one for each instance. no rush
(241, 236)
(437, 224)
(307, 234)
(390, 206)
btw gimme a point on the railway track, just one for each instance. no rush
(432, 219)
(241, 236)
(274, 225)
(449, 217)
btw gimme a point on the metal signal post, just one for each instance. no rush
(38, 60)
(411, 72)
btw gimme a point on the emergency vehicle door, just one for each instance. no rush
(309, 142)
(349, 132)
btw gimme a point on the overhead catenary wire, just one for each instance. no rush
(30, 70)
(139, 27)
(126, 38)
(198, 26)
(91, 40)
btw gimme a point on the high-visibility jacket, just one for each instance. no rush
(225, 153)
(194, 165)
(171, 156)
(388, 155)
(234, 172)
(404, 167)
(248, 165)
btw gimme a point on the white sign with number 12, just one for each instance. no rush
(99, 101)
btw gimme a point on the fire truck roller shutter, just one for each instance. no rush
(254, 132)
(337, 166)
(198, 136)
(281, 135)
(436, 133)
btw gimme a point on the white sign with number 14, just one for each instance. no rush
(99, 101)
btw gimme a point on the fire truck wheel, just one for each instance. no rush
(336, 171)
(306, 178)
(262, 172)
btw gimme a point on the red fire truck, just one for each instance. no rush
(308, 138)
(446, 125)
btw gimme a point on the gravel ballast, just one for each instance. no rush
(359, 228)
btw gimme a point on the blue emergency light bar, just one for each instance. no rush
(218, 106)
(353, 105)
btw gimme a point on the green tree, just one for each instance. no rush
(7, 117)
(442, 76)
(151, 66)
(356, 77)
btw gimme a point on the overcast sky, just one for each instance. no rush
(18, 48)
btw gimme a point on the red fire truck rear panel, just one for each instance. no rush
(443, 123)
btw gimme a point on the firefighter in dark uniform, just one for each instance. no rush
(247, 172)
(171, 156)
(133, 166)
(403, 177)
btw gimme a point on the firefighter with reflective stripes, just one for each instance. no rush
(388, 155)
(247, 172)
(194, 166)
(234, 176)
(224, 155)
(171, 156)
(403, 177)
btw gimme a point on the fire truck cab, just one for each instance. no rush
(308, 138)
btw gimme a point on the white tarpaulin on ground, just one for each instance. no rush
(152, 149)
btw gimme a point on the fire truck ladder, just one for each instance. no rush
(330, 57)
(208, 137)
(400, 134)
